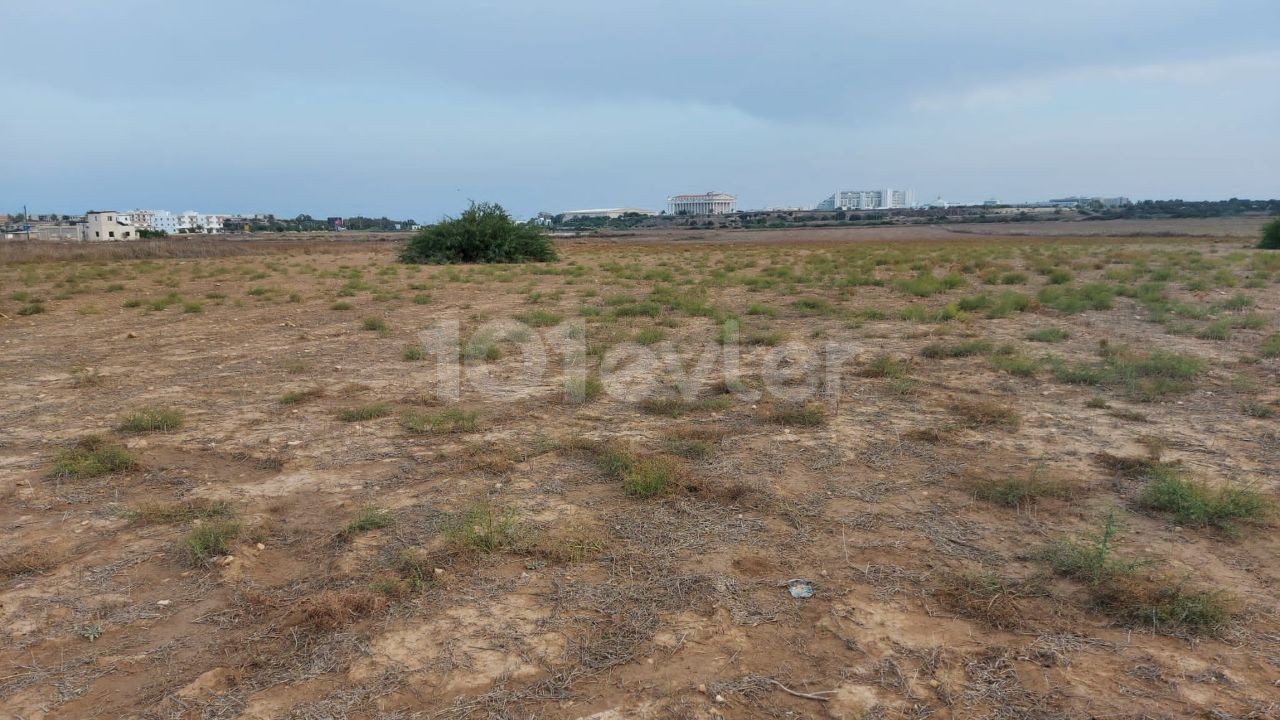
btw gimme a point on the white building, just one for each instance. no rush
(194, 223)
(886, 199)
(157, 220)
(610, 213)
(108, 226)
(712, 203)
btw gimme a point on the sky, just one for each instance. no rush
(411, 108)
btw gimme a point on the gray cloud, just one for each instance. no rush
(408, 107)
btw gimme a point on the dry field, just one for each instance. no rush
(1023, 478)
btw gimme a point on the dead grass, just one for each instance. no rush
(179, 512)
(27, 562)
(983, 414)
(336, 609)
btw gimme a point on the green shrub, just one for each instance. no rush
(1271, 235)
(1016, 491)
(153, 419)
(91, 457)
(1015, 363)
(957, 350)
(925, 284)
(1271, 346)
(483, 528)
(413, 353)
(374, 324)
(539, 318)
(885, 366)
(1141, 376)
(300, 396)
(440, 422)
(583, 389)
(1197, 504)
(1071, 300)
(371, 517)
(182, 512)
(798, 415)
(649, 476)
(208, 540)
(1048, 335)
(484, 233)
(364, 412)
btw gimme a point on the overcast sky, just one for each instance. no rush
(409, 108)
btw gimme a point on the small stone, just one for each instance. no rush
(702, 688)
(439, 571)
(164, 603)
(260, 546)
(719, 698)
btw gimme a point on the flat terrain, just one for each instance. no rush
(953, 476)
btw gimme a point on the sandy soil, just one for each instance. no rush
(579, 600)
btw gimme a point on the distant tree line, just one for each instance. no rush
(1160, 209)
(306, 223)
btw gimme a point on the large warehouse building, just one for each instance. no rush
(712, 203)
(869, 200)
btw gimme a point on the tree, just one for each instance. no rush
(1271, 235)
(484, 233)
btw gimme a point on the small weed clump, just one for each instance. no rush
(926, 284)
(641, 476)
(374, 324)
(798, 415)
(583, 389)
(1018, 491)
(413, 353)
(540, 318)
(967, 348)
(1145, 377)
(885, 366)
(1071, 300)
(483, 528)
(1048, 335)
(1116, 588)
(1271, 346)
(440, 422)
(1197, 504)
(148, 420)
(371, 517)
(180, 512)
(208, 540)
(364, 412)
(92, 457)
(300, 396)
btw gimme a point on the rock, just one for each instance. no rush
(164, 603)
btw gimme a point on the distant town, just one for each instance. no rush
(700, 210)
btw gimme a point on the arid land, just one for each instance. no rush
(1024, 474)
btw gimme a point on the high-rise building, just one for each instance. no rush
(869, 200)
(712, 203)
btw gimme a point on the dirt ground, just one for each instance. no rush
(300, 521)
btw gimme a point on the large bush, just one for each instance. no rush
(1271, 235)
(485, 233)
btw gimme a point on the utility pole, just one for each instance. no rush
(26, 221)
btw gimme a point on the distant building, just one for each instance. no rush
(194, 223)
(156, 220)
(609, 213)
(712, 203)
(1077, 200)
(869, 200)
(335, 223)
(108, 226)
